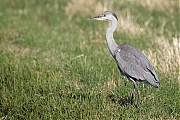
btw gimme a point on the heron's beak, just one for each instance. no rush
(95, 18)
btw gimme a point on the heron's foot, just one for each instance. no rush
(138, 102)
(138, 110)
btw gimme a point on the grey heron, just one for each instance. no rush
(131, 62)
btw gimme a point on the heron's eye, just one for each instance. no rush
(104, 15)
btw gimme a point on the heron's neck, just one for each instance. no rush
(109, 37)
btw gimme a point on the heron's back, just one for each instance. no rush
(133, 64)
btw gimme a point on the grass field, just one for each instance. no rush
(55, 64)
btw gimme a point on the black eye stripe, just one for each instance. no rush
(115, 16)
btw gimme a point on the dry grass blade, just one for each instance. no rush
(80, 6)
(158, 4)
(167, 58)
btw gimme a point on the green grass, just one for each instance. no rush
(51, 69)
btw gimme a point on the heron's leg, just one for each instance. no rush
(133, 94)
(138, 104)
(137, 90)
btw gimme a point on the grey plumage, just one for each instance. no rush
(131, 62)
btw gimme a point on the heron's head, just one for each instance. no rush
(108, 15)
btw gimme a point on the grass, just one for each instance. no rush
(54, 63)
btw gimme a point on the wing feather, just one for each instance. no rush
(134, 64)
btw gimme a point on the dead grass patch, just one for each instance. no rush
(128, 25)
(162, 5)
(86, 7)
(167, 57)
(98, 41)
(82, 7)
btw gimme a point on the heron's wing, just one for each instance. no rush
(134, 64)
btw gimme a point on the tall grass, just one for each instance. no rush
(54, 64)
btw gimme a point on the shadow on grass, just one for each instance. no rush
(123, 100)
